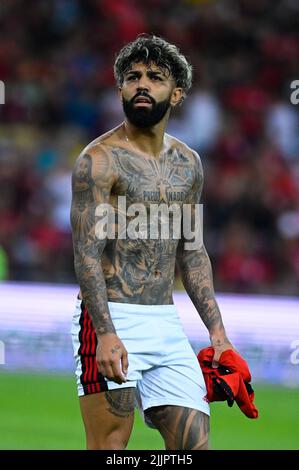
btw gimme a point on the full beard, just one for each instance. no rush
(144, 117)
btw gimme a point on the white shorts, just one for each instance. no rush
(162, 365)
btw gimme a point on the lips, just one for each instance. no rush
(142, 99)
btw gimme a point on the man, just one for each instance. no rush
(128, 340)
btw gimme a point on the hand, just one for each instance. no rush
(220, 345)
(112, 358)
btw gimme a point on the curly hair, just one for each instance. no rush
(150, 48)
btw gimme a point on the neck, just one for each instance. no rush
(149, 140)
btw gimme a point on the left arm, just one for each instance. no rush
(197, 277)
(196, 272)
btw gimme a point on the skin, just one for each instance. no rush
(181, 428)
(147, 166)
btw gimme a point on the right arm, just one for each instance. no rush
(93, 177)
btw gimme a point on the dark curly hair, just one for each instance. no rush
(150, 48)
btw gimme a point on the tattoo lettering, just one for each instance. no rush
(124, 269)
(143, 270)
(162, 180)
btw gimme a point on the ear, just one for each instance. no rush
(119, 93)
(176, 96)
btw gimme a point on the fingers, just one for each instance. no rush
(118, 376)
(124, 362)
(113, 369)
(106, 371)
(218, 350)
(215, 361)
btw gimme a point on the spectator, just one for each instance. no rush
(56, 61)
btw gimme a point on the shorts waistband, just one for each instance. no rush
(141, 308)
(138, 308)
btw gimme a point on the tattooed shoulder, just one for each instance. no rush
(93, 176)
(94, 166)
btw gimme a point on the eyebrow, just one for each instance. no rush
(150, 73)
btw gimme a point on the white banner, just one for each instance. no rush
(35, 321)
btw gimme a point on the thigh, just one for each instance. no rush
(108, 418)
(181, 428)
(177, 380)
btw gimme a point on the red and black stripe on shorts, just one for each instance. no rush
(91, 379)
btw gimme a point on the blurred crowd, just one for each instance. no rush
(56, 59)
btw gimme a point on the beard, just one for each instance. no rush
(145, 117)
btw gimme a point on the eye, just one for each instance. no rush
(156, 78)
(130, 78)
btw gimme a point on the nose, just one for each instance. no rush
(143, 84)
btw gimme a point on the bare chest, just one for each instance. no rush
(168, 179)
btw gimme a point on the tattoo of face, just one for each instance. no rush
(139, 271)
(87, 248)
(142, 270)
(82, 216)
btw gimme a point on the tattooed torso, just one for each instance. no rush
(142, 270)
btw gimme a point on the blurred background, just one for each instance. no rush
(56, 60)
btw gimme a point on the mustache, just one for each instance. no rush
(143, 94)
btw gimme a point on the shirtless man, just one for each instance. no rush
(128, 340)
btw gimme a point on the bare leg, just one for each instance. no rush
(181, 428)
(108, 418)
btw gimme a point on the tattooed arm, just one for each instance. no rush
(197, 277)
(93, 177)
